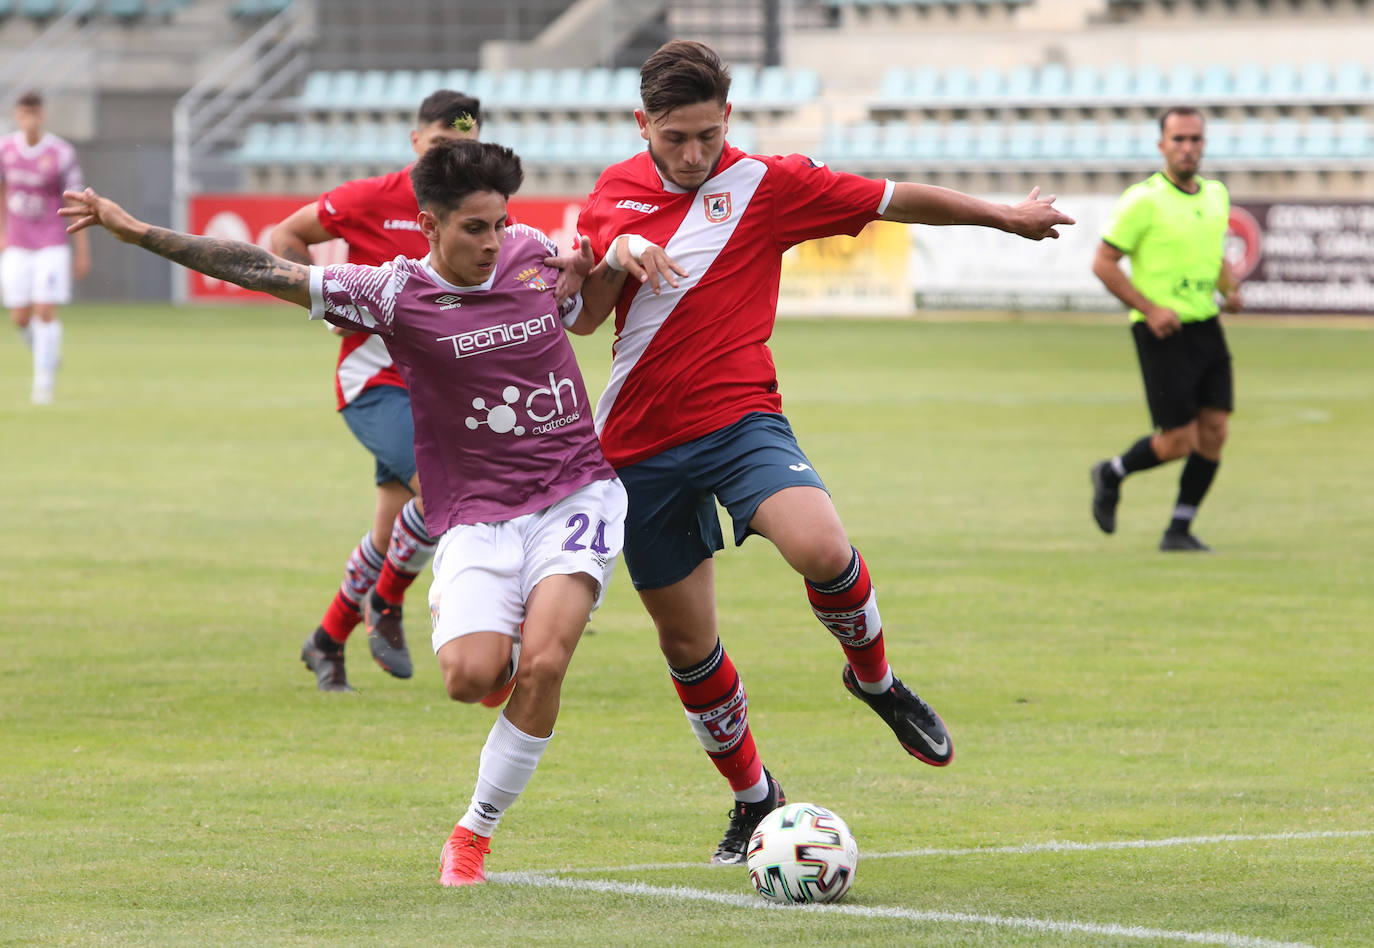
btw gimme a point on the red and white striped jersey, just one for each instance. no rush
(695, 358)
(376, 217)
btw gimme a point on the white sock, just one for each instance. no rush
(876, 687)
(507, 763)
(54, 345)
(42, 360)
(754, 794)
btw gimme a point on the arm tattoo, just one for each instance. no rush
(243, 264)
(295, 256)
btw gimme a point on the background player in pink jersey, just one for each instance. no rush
(692, 411)
(36, 266)
(376, 217)
(529, 514)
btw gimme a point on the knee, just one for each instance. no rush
(468, 685)
(1214, 434)
(1176, 443)
(542, 672)
(827, 558)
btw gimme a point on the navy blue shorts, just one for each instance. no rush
(380, 419)
(672, 524)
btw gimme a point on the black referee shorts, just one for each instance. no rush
(1184, 372)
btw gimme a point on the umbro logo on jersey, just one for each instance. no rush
(449, 301)
(717, 207)
(637, 206)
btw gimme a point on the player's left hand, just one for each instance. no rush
(1035, 218)
(572, 269)
(88, 209)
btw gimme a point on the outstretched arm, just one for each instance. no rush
(1034, 218)
(240, 263)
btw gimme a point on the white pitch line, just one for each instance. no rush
(683, 893)
(1022, 849)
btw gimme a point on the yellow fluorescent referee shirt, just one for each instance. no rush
(1175, 241)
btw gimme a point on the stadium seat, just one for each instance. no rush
(957, 85)
(456, 80)
(893, 87)
(1252, 139)
(624, 88)
(1353, 138)
(956, 142)
(1020, 84)
(772, 90)
(1214, 85)
(1118, 83)
(1021, 141)
(1318, 138)
(806, 85)
(923, 84)
(1146, 143)
(892, 142)
(1282, 83)
(371, 92)
(1085, 85)
(990, 85)
(1118, 141)
(1221, 139)
(38, 9)
(1053, 82)
(1284, 139)
(1085, 143)
(1053, 141)
(989, 142)
(1250, 84)
(1151, 85)
(1352, 80)
(318, 91)
(344, 92)
(926, 141)
(1183, 83)
(1316, 81)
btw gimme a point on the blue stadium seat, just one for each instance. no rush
(508, 90)
(1252, 139)
(1118, 141)
(1020, 83)
(318, 92)
(1053, 82)
(399, 91)
(256, 142)
(1053, 141)
(38, 9)
(1284, 139)
(894, 143)
(893, 87)
(1316, 80)
(1353, 138)
(957, 84)
(1318, 138)
(456, 80)
(344, 91)
(540, 88)
(1151, 85)
(567, 88)
(484, 85)
(371, 92)
(926, 141)
(597, 89)
(1146, 144)
(990, 85)
(743, 80)
(625, 88)
(1283, 82)
(989, 142)
(1214, 84)
(1183, 82)
(772, 90)
(956, 142)
(1085, 85)
(1221, 139)
(1118, 83)
(1021, 141)
(806, 85)
(1352, 80)
(1085, 143)
(1250, 84)
(923, 83)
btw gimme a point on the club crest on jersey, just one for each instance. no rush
(717, 207)
(531, 278)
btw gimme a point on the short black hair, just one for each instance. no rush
(29, 100)
(450, 108)
(683, 72)
(1184, 110)
(457, 167)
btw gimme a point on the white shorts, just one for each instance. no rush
(36, 276)
(484, 572)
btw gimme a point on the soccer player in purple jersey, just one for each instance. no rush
(529, 515)
(36, 267)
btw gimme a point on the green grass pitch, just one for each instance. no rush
(176, 523)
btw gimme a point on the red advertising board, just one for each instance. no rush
(251, 217)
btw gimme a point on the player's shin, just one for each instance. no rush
(718, 711)
(360, 575)
(508, 760)
(409, 551)
(848, 607)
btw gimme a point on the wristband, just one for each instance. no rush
(634, 243)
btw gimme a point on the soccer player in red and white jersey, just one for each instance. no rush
(377, 219)
(529, 514)
(692, 412)
(36, 266)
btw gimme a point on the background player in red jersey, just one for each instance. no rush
(692, 411)
(377, 218)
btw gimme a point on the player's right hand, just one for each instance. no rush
(1035, 218)
(1163, 322)
(654, 266)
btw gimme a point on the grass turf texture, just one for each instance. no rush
(176, 523)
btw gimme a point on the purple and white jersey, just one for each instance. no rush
(503, 426)
(34, 177)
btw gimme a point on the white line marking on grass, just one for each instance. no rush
(683, 893)
(1023, 849)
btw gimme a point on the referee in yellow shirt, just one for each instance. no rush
(1172, 226)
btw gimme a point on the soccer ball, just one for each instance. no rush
(802, 852)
